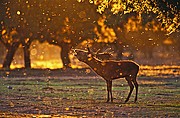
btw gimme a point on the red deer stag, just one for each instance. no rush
(111, 70)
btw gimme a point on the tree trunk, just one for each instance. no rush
(26, 46)
(10, 54)
(65, 48)
(27, 60)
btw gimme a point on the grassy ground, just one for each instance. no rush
(85, 96)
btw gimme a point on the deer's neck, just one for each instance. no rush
(94, 63)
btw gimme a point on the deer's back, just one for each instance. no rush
(116, 69)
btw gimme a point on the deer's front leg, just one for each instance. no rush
(109, 90)
(110, 86)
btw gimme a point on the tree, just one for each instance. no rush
(166, 11)
(62, 23)
(146, 14)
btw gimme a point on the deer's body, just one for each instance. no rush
(112, 69)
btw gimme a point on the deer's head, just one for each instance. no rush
(83, 55)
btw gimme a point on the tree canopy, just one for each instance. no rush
(166, 11)
(55, 18)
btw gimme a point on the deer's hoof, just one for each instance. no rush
(135, 101)
(125, 101)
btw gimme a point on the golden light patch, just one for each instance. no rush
(89, 59)
(119, 63)
(103, 63)
(88, 70)
(48, 19)
(7, 72)
(3, 32)
(18, 12)
(33, 51)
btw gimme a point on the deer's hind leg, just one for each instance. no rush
(136, 86)
(128, 79)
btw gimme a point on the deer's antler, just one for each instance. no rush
(89, 51)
